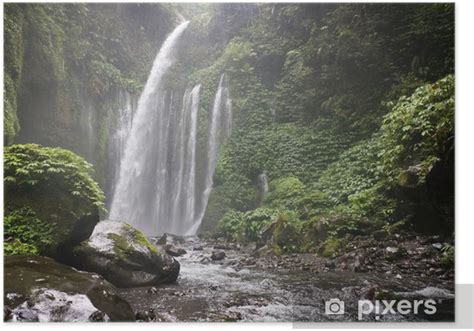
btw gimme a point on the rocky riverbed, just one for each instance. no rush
(222, 281)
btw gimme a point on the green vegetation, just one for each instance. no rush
(48, 188)
(347, 108)
(448, 257)
(246, 226)
(140, 239)
(62, 60)
(362, 184)
(315, 101)
(24, 233)
(29, 167)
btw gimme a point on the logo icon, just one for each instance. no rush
(334, 307)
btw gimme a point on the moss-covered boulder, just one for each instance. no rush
(39, 289)
(123, 256)
(52, 186)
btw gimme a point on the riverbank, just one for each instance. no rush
(222, 281)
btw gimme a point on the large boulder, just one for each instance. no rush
(39, 289)
(53, 186)
(123, 256)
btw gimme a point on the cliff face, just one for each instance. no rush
(69, 66)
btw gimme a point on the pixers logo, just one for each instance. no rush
(403, 307)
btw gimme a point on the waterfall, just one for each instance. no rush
(176, 173)
(219, 129)
(156, 187)
(85, 118)
(146, 150)
(190, 178)
(262, 186)
(122, 112)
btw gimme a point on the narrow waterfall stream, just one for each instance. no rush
(221, 123)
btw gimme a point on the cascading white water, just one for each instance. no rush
(263, 183)
(136, 191)
(156, 188)
(190, 178)
(119, 132)
(219, 130)
(176, 173)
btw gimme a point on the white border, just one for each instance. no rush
(464, 173)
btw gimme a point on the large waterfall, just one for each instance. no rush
(156, 189)
(135, 192)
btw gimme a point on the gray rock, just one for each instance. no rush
(67, 294)
(123, 256)
(392, 250)
(217, 255)
(174, 251)
(394, 253)
(152, 290)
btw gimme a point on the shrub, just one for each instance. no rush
(287, 235)
(417, 130)
(246, 226)
(285, 192)
(25, 233)
(55, 184)
(33, 166)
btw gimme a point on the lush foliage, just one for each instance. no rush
(418, 129)
(66, 64)
(345, 107)
(29, 166)
(25, 233)
(361, 185)
(246, 226)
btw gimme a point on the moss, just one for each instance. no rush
(140, 238)
(121, 246)
(448, 257)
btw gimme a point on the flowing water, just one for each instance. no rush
(141, 167)
(120, 132)
(219, 129)
(155, 189)
(262, 182)
(240, 288)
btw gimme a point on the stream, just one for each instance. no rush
(239, 288)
